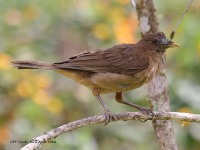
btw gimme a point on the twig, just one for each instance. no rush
(180, 19)
(38, 141)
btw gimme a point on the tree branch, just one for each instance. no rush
(37, 142)
(158, 92)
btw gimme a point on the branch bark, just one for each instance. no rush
(37, 142)
(158, 92)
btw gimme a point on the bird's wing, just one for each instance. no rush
(122, 59)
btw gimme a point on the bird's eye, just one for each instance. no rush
(154, 41)
(159, 35)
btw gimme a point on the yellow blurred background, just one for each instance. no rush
(33, 102)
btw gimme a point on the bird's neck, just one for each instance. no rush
(156, 58)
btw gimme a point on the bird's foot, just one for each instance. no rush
(109, 116)
(147, 112)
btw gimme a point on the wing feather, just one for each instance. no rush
(122, 59)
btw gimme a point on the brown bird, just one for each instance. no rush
(117, 69)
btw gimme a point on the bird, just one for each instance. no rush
(118, 69)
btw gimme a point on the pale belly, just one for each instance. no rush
(111, 82)
(108, 82)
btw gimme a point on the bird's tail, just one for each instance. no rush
(27, 64)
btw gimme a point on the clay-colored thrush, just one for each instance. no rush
(117, 69)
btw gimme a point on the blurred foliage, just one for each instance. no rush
(33, 102)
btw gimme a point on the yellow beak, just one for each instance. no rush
(172, 44)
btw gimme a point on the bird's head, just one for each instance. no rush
(157, 41)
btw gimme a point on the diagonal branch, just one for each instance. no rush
(37, 142)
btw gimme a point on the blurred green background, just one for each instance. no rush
(33, 102)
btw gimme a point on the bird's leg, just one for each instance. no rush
(108, 113)
(119, 98)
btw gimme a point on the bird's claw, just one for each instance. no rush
(148, 112)
(109, 117)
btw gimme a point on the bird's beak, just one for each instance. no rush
(169, 43)
(172, 44)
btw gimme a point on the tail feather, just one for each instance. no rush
(27, 64)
